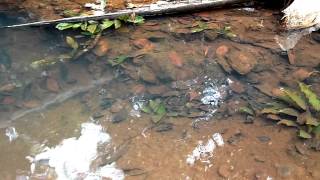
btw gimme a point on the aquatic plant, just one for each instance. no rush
(296, 108)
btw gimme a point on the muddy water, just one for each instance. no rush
(84, 119)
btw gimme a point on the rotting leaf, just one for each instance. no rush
(310, 120)
(311, 96)
(288, 123)
(72, 43)
(246, 110)
(270, 110)
(296, 98)
(304, 134)
(289, 111)
(117, 24)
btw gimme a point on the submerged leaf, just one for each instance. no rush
(310, 120)
(311, 96)
(246, 110)
(288, 123)
(296, 98)
(304, 134)
(92, 28)
(72, 43)
(117, 23)
(118, 60)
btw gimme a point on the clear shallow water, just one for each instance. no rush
(48, 106)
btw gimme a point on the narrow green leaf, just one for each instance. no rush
(289, 111)
(296, 98)
(76, 25)
(311, 96)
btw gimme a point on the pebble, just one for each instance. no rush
(120, 116)
(52, 85)
(263, 138)
(284, 170)
(224, 171)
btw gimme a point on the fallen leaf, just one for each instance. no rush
(304, 134)
(246, 110)
(296, 98)
(311, 96)
(288, 123)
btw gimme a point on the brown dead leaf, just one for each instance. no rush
(52, 85)
(175, 59)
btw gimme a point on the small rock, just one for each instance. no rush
(242, 62)
(146, 74)
(144, 44)
(116, 107)
(175, 59)
(211, 35)
(222, 50)
(8, 100)
(157, 90)
(259, 159)
(237, 86)
(101, 48)
(106, 103)
(52, 85)
(31, 104)
(301, 74)
(138, 89)
(7, 87)
(120, 116)
(300, 148)
(164, 127)
(97, 115)
(263, 139)
(284, 170)
(224, 171)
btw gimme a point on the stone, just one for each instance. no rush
(224, 171)
(146, 74)
(120, 116)
(284, 170)
(236, 86)
(175, 58)
(101, 48)
(52, 85)
(242, 62)
(222, 50)
(157, 90)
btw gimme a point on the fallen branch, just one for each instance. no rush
(148, 10)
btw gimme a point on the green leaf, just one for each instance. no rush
(118, 60)
(288, 123)
(124, 17)
(270, 111)
(296, 98)
(64, 26)
(246, 110)
(76, 25)
(316, 131)
(304, 134)
(136, 20)
(106, 24)
(117, 23)
(311, 96)
(92, 28)
(84, 26)
(72, 43)
(157, 118)
(146, 109)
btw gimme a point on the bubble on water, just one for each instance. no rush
(11, 133)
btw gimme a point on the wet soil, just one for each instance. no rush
(203, 78)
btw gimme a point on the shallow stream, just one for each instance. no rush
(160, 100)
